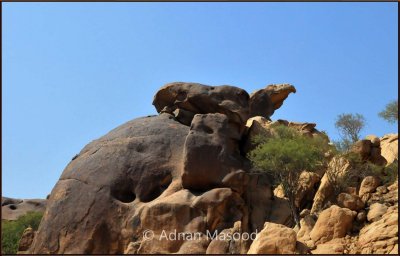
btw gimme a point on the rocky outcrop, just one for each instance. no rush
(332, 223)
(381, 237)
(182, 170)
(151, 183)
(184, 100)
(274, 239)
(352, 202)
(369, 149)
(390, 147)
(211, 137)
(368, 185)
(376, 211)
(12, 209)
(26, 239)
(259, 125)
(264, 102)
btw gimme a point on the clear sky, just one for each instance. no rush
(74, 71)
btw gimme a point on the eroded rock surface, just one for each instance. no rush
(185, 171)
(12, 209)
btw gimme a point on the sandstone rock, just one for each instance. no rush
(381, 190)
(361, 217)
(334, 246)
(380, 237)
(200, 99)
(12, 209)
(376, 211)
(306, 225)
(258, 195)
(376, 157)
(132, 248)
(368, 185)
(223, 208)
(324, 194)
(278, 192)
(306, 190)
(376, 142)
(362, 147)
(278, 93)
(211, 137)
(332, 223)
(274, 239)
(227, 242)
(185, 212)
(389, 147)
(264, 102)
(104, 185)
(352, 202)
(279, 212)
(26, 239)
(259, 125)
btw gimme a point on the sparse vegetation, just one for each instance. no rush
(349, 127)
(391, 112)
(11, 230)
(284, 154)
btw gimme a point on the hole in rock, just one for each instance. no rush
(12, 207)
(153, 186)
(123, 191)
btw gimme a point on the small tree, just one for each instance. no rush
(284, 154)
(349, 127)
(391, 112)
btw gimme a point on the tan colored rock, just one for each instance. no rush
(279, 92)
(228, 242)
(259, 125)
(132, 248)
(274, 239)
(334, 246)
(306, 225)
(265, 101)
(361, 216)
(362, 147)
(306, 189)
(333, 222)
(26, 239)
(280, 212)
(376, 142)
(389, 147)
(380, 237)
(325, 191)
(278, 192)
(12, 209)
(258, 195)
(368, 185)
(376, 211)
(352, 202)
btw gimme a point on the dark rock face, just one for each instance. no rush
(214, 139)
(202, 99)
(182, 170)
(12, 209)
(264, 102)
(98, 190)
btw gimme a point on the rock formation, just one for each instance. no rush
(185, 173)
(12, 209)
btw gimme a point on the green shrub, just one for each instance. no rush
(11, 230)
(284, 153)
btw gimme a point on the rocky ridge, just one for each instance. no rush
(186, 171)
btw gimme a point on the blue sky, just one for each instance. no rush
(74, 71)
